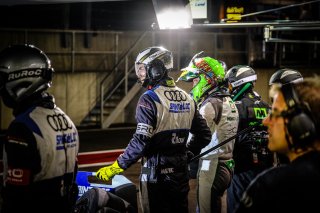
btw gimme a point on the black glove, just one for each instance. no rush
(190, 155)
(193, 169)
(193, 165)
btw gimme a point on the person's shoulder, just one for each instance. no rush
(308, 161)
(211, 102)
(147, 95)
(213, 99)
(148, 98)
(304, 165)
(254, 98)
(271, 176)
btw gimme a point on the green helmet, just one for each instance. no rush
(210, 73)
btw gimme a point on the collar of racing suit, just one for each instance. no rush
(167, 82)
(43, 99)
(220, 91)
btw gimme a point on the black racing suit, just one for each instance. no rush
(165, 115)
(251, 154)
(40, 153)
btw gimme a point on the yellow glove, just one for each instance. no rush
(108, 172)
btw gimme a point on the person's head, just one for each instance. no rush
(24, 71)
(206, 74)
(240, 78)
(294, 119)
(152, 65)
(285, 76)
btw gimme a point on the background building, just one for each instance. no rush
(93, 45)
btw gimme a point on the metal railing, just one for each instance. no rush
(106, 95)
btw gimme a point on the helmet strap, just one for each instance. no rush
(247, 86)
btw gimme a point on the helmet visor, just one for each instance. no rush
(200, 87)
(188, 74)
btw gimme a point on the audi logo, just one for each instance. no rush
(58, 122)
(175, 95)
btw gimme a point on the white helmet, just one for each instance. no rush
(152, 64)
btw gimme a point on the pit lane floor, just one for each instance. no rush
(132, 174)
(92, 141)
(118, 138)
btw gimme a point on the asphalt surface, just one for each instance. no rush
(97, 140)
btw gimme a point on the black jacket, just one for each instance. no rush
(293, 187)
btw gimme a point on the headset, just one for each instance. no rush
(2, 81)
(156, 70)
(299, 124)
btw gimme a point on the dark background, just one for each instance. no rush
(134, 14)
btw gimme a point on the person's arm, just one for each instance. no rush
(146, 118)
(146, 122)
(201, 134)
(211, 111)
(23, 162)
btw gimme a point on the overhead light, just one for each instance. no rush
(173, 14)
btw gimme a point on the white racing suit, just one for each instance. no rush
(40, 153)
(165, 115)
(216, 168)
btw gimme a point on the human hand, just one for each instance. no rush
(193, 169)
(108, 172)
(190, 155)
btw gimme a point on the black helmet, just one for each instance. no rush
(152, 64)
(238, 75)
(285, 76)
(24, 70)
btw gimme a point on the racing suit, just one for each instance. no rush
(251, 153)
(165, 115)
(40, 153)
(215, 168)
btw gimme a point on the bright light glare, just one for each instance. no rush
(174, 19)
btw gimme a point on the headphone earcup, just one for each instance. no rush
(301, 128)
(299, 123)
(2, 82)
(156, 70)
